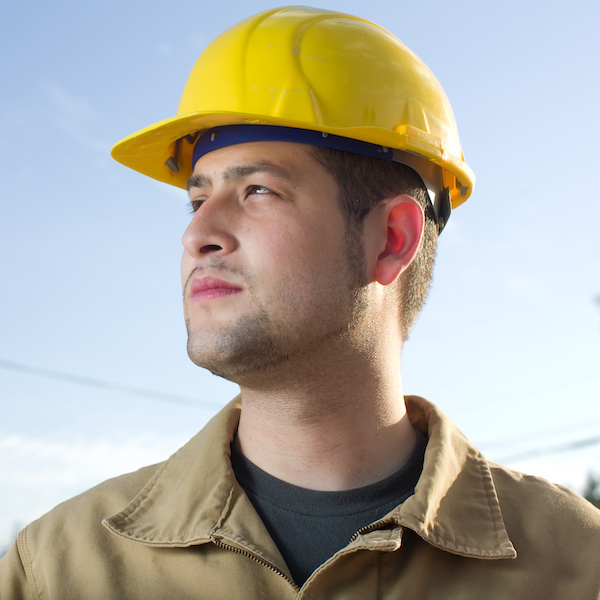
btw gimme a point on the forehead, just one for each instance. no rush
(287, 160)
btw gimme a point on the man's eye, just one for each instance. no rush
(259, 190)
(195, 205)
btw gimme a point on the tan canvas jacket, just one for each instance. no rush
(185, 529)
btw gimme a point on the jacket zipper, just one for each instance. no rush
(219, 543)
(259, 560)
(369, 528)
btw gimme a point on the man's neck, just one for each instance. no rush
(325, 432)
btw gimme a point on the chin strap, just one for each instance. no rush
(442, 208)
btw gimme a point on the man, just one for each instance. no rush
(321, 159)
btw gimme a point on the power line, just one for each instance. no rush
(576, 445)
(110, 386)
(538, 434)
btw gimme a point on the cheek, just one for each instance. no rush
(272, 246)
(187, 265)
(302, 262)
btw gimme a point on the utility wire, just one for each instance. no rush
(110, 386)
(538, 434)
(576, 445)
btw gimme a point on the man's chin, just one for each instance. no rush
(243, 370)
(235, 354)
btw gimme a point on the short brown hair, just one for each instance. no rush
(364, 182)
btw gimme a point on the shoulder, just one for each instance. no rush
(77, 522)
(519, 489)
(70, 531)
(82, 515)
(553, 529)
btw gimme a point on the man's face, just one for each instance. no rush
(266, 271)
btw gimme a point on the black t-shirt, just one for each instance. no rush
(310, 526)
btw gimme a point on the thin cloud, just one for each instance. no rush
(522, 286)
(165, 49)
(76, 118)
(34, 462)
(198, 41)
(39, 474)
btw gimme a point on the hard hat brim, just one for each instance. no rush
(149, 150)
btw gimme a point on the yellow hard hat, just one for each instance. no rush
(316, 70)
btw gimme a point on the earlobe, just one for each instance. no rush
(403, 220)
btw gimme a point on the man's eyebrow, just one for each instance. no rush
(235, 172)
(198, 181)
(240, 171)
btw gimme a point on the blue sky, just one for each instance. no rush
(508, 344)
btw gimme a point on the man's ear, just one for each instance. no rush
(393, 233)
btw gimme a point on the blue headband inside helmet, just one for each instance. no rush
(229, 135)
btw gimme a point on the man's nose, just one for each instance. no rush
(211, 229)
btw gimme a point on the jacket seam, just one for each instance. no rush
(27, 563)
(378, 580)
(224, 512)
(221, 532)
(494, 505)
(136, 504)
(182, 541)
(443, 543)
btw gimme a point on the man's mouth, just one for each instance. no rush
(209, 288)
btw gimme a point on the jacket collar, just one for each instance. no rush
(455, 506)
(194, 498)
(190, 493)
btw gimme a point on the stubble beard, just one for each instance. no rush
(233, 353)
(254, 349)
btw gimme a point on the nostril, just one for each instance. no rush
(210, 248)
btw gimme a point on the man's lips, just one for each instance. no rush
(207, 288)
